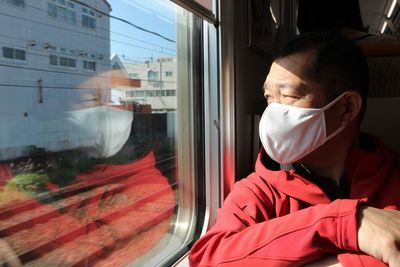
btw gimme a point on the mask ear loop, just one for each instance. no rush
(333, 102)
(338, 130)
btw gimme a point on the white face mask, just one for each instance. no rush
(290, 133)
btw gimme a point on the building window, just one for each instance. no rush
(160, 92)
(53, 60)
(88, 18)
(152, 75)
(171, 92)
(62, 61)
(168, 74)
(62, 10)
(139, 93)
(134, 75)
(20, 3)
(89, 65)
(14, 53)
(67, 62)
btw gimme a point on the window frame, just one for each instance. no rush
(199, 10)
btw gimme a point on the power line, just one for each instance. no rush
(117, 33)
(93, 35)
(57, 53)
(126, 21)
(127, 36)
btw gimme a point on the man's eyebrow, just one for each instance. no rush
(287, 85)
(280, 84)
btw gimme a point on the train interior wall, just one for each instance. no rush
(251, 67)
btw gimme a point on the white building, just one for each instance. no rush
(158, 82)
(54, 60)
(122, 84)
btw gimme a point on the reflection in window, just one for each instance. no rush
(89, 158)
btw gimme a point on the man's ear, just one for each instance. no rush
(352, 101)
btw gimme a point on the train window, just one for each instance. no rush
(98, 131)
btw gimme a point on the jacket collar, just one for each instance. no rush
(363, 169)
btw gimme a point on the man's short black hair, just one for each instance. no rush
(339, 65)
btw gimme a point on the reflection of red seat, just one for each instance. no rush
(5, 174)
(146, 165)
(109, 216)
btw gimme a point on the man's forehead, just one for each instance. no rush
(282, 77)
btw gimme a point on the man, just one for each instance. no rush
(331, 200)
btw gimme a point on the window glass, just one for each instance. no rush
(63, 61)
(96, 150)
(19, 54)
(14, 53)
(20, 3)
(53, 60)
(62, 12)
(170, 92)
(88, 19)
(70, 16)
(52, 10)
(139, 93)
(8, 52)
(89, 65)
(71, 62)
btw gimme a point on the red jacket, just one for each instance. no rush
(278, 218)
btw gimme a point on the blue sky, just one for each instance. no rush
(154, 15)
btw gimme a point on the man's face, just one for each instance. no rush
(287, 83)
